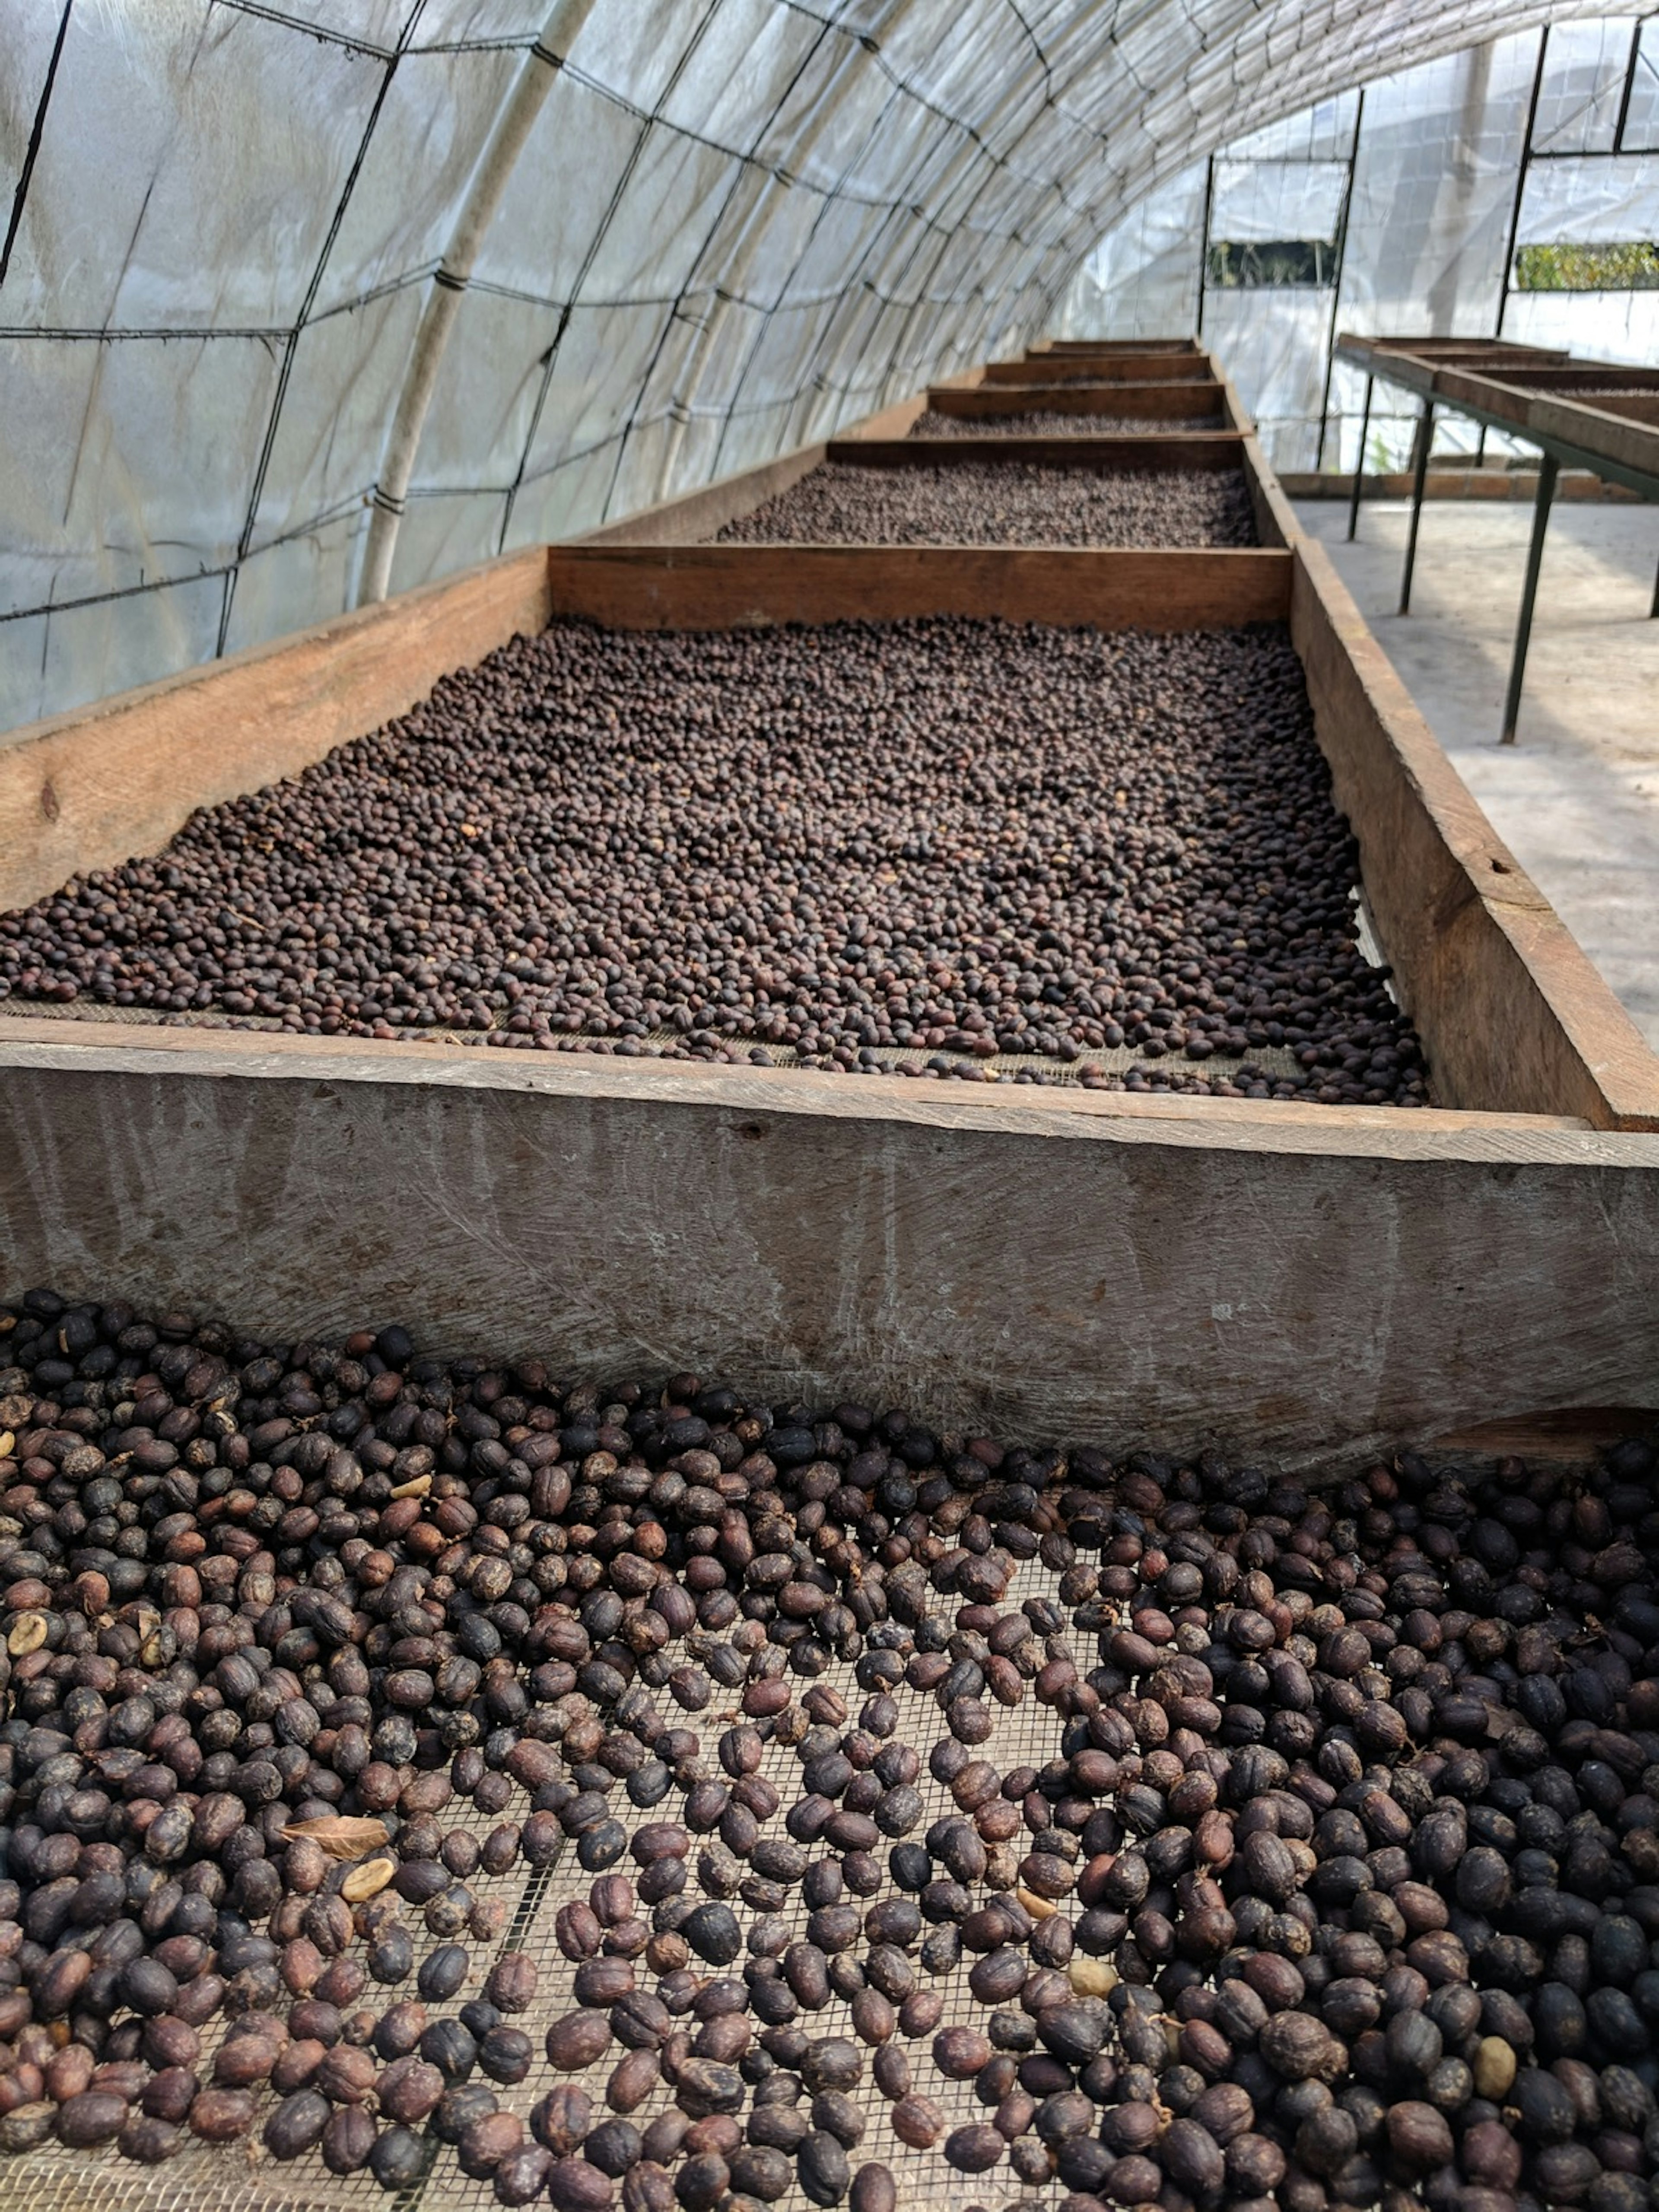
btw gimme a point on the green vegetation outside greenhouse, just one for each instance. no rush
(1627, 265)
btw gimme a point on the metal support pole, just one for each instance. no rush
(1630, 86)
(1204, 240)
(1419, 477)
(1359, 462)
(1653, 611)
(1521, 179)
(1541, 519)
(1336, 281)
(508, 134)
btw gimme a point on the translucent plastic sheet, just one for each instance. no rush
(1587, 200)
(1578, 102)
(1143, 280)
(1423, 187)
(732, 225)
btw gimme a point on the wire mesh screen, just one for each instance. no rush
(727, 226)
(243, 2177)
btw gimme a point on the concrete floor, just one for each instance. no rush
(1577, 797)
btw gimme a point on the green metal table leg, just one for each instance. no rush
(1547, 466)
(1419, 477)
(1359, 465)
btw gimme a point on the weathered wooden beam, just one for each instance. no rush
(1189, 401)
(727, 586)
(1312, 1285)
(1180, 449)
(92, 788)
(1110, 348)
(1101, 368)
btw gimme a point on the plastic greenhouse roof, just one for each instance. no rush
(301, 300)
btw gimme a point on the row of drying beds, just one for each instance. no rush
(1305, 1281)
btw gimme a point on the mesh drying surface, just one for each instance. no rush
(998, 502)
(243, 2177)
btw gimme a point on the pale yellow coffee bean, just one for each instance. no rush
(1494, 2068)
(367, 1880)
(1092, 1978)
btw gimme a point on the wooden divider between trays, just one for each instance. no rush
(1196, 401)
(1110, 348)
(1176, 449)
(1099, 369)
(729, 586)
(1316, 1283)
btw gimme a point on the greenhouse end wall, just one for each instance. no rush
(1419, 193)
(732, 225)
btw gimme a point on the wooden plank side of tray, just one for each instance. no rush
(1578, 379)
(1103, 369)
(1175, 449)
(1313, 1290)
(1512, 1013)
(730, 586)
(92, 788)
(1190, 401)
(1110, 348)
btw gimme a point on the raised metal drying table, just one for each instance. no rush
(1599, 416)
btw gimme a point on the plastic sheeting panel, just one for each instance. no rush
(1436, 169)
(733, 225)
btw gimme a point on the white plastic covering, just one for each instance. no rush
(733, 224)
(1420, 180)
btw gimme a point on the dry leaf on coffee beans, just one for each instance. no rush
(341, 1835)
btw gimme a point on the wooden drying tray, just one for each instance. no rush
(86, 790)
(1100, 368)
(1109, 349)
(1530, 391)
(1466, 349)
(1307, 1283)
(1197, 401)
(1614, 436)
(1592, 380)
(1176, 450)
